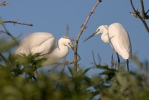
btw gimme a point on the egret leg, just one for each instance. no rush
(112, 61)
(127, 61)
(118, 60)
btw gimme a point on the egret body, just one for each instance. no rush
(117, 36)
(46, 46)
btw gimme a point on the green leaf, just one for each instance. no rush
(70, 70)
(86, 70)
(5, 60)
(102, 67)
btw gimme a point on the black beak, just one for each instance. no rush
(89, 36)
(70, 46)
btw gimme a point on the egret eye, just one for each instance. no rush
(97, 30)
(70, 45)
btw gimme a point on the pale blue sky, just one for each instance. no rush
(53, 16)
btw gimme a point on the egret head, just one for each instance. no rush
(100, 29)
(66, 41)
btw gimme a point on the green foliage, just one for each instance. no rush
(18, 81)
(126, 86)
(5, 45)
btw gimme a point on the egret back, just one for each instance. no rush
(39, 42)
(120, 40)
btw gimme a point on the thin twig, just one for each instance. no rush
(67, 30)
(144, 14)
(142, 7)
(94, 58)
(147, 11)
(132, 6)
(80, 33)
(93, 62)
(86, 21)
(99, 59)
(90, 61)
(16, 22)
(8, 33)
(137, 14)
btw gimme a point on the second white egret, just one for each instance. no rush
(117, 36)
(46, 46)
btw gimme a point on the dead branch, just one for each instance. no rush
(67, 30)
(94, 58)
(7, 32)
(141, 15)
(16, 22)
(80, 33)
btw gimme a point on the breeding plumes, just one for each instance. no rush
(45, 45)
(117, 36)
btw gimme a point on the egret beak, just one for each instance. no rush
(90, 36)
(70, 46)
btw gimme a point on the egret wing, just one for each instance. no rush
(43, 44)
(124, 41)
(40, 42)
(123, 37)
(120, 36)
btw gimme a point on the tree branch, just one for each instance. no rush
(80, 33)
(6, 31)
(137, 14)
(16, 22)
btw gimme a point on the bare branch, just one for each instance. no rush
(87, 19)
(67, 30)
(147, 11)
(137, 14)
(80, 33)
(142, 7)
(132, 6)
(19, 35)
(16, 22)
(94, 58)
(99, 59)
(91, 62)
(4, 3)
(7, 32)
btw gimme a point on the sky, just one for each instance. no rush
(54, 15)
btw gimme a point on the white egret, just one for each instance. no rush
(46, 46)
(117, 36)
